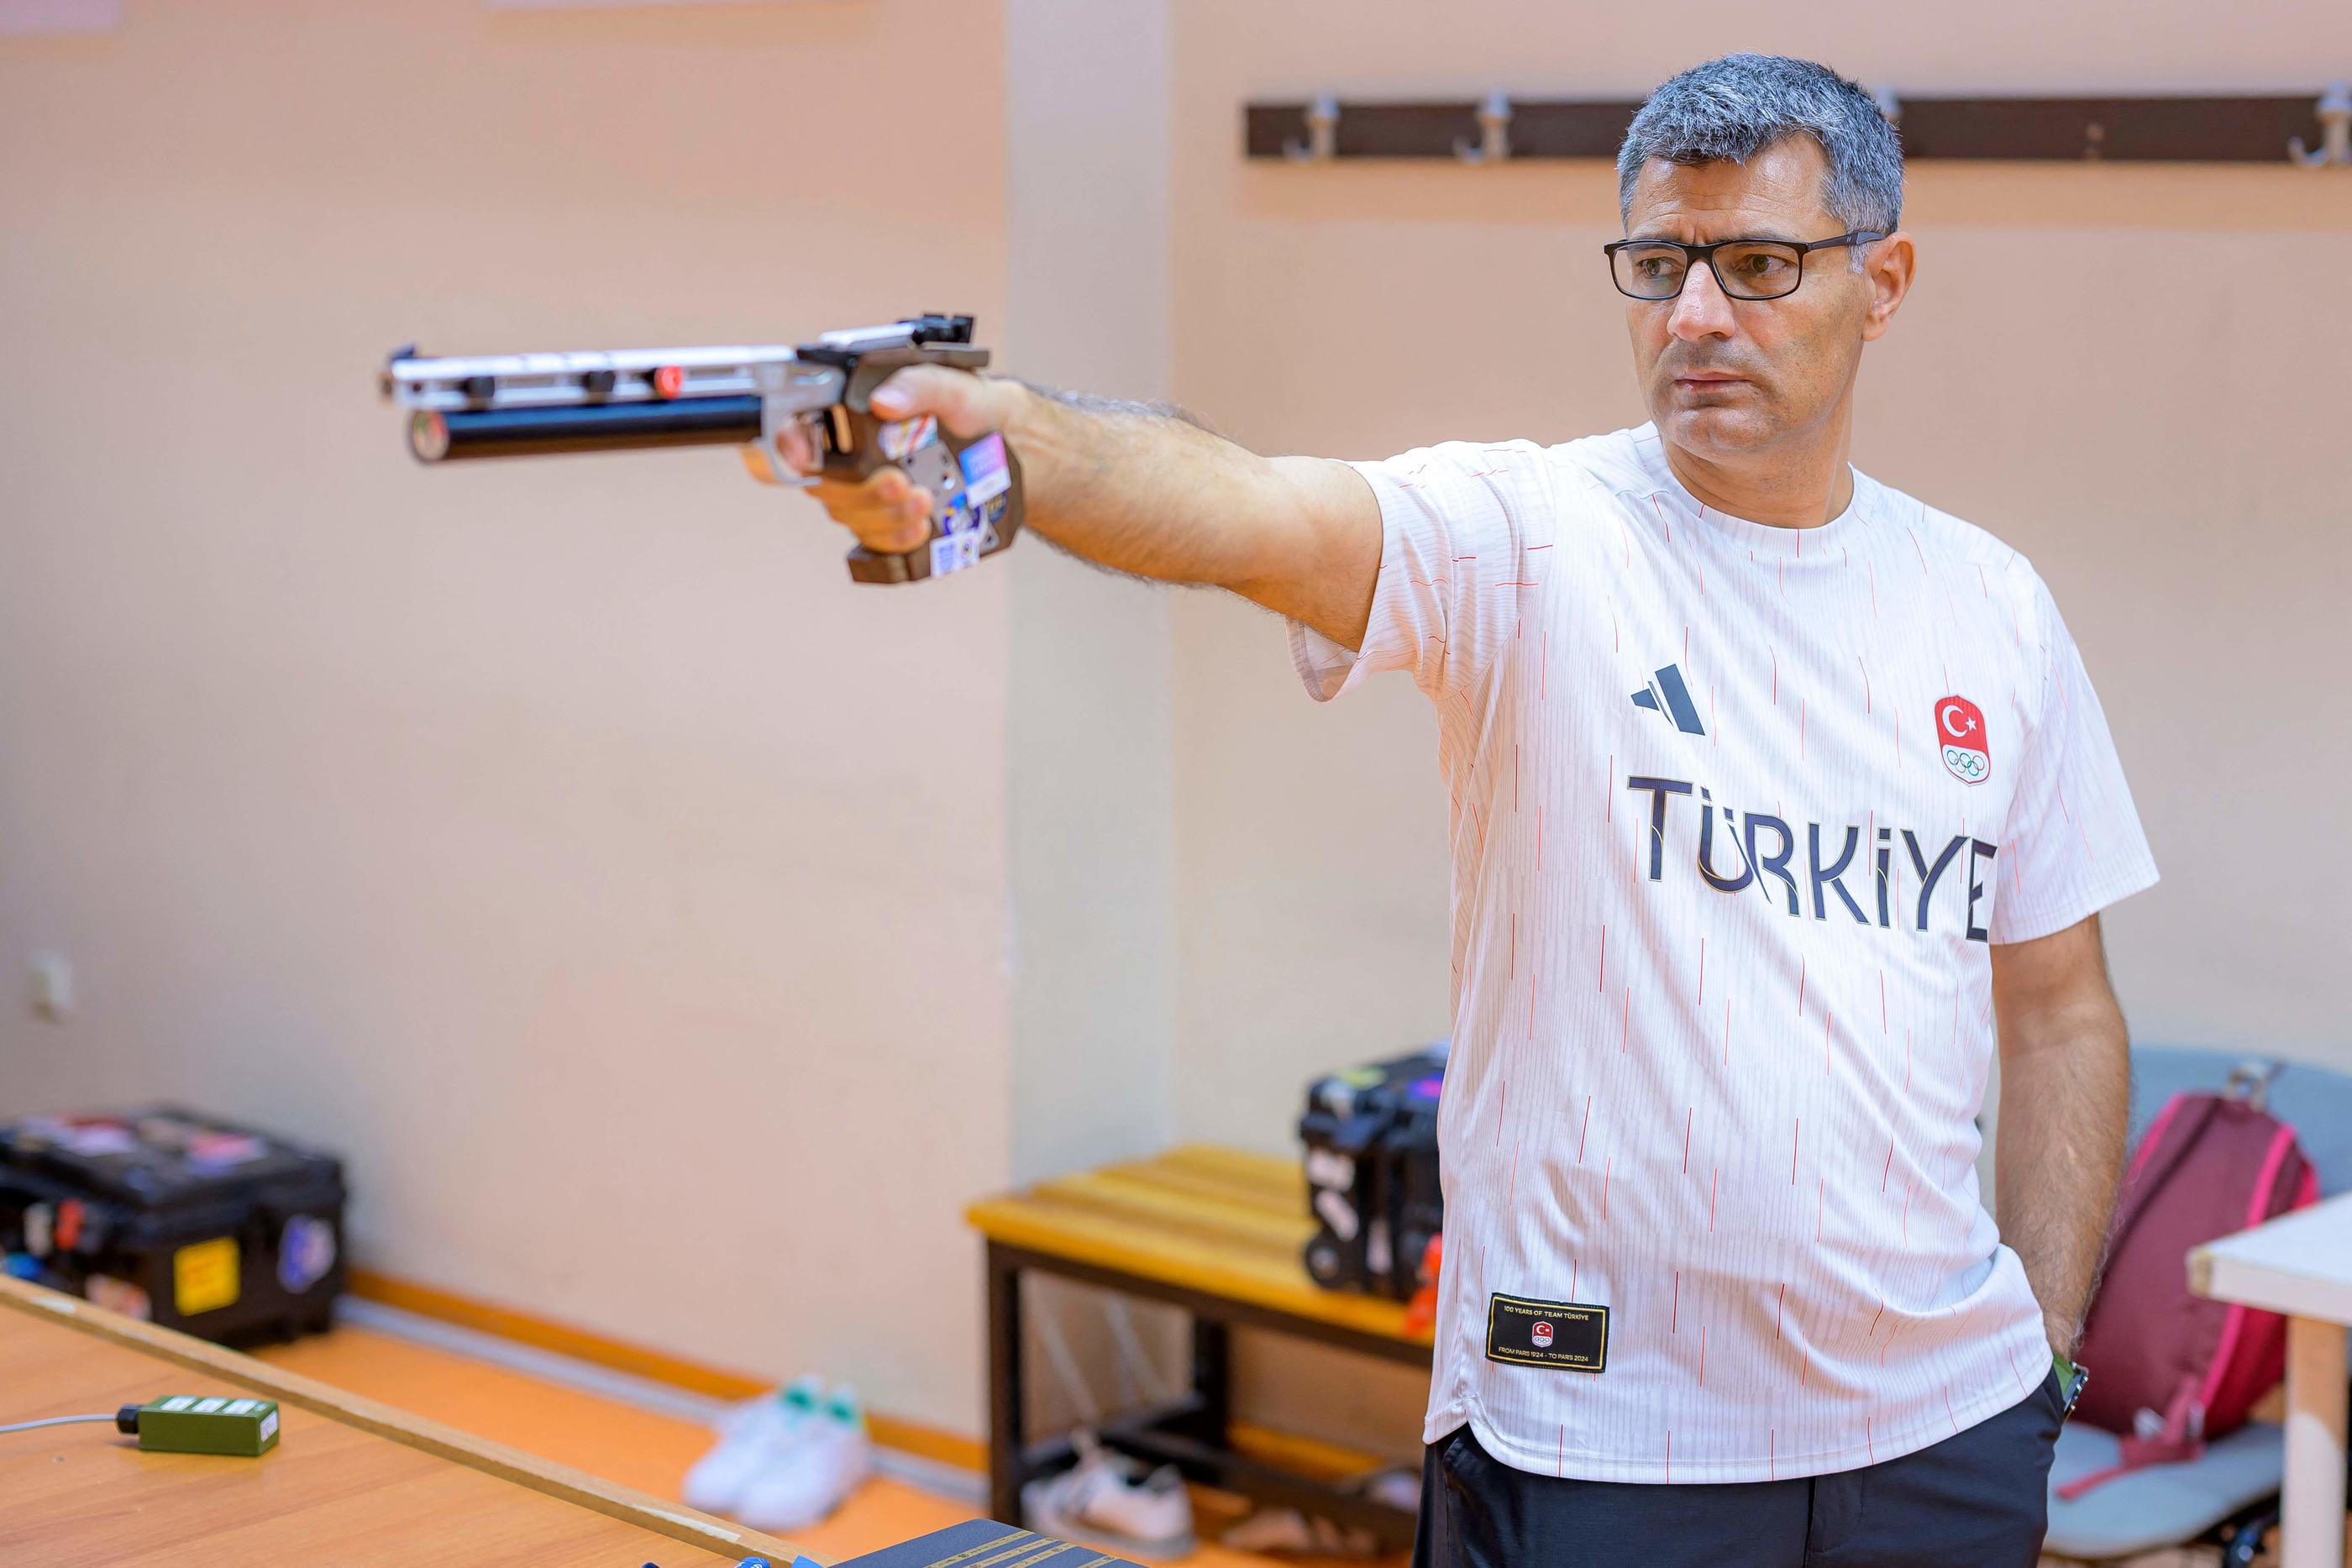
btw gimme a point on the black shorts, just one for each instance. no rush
(1977, 1500)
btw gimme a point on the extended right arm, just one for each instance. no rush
(1142, 492)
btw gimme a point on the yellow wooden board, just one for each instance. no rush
(1203, 1217)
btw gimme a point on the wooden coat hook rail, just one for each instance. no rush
(2313, 133)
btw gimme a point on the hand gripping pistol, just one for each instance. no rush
(530, 405)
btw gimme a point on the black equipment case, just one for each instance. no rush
(1371, 1172)
(188, 1221)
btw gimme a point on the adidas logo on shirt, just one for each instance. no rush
(1668, 695)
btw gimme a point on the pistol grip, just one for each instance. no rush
(974, 485)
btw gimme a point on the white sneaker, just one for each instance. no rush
(815, 1475)
(753, 1438)
(1105, 1499)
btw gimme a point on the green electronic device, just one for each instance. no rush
(193, 1424)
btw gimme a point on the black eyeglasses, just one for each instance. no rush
(1743, 268)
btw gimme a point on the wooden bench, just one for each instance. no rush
(1219, 1233)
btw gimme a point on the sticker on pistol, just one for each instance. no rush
(1567, 1336)
(986, 473)
(902, 436)
(953, 553)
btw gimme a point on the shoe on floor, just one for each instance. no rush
(1106, 1500)
(815, 1474)
(1279, 1530)
(753, 1438)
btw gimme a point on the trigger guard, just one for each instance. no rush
(768, 466)
(766, 463)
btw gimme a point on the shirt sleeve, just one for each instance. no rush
(1454, 535)
(2074, 844)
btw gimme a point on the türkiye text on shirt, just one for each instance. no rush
(1761, 847)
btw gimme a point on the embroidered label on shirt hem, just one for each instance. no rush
(1561, 1336)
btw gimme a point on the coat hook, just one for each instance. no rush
(1494, 132)
(2335, 132)
(1888, 104)
(1322, 132)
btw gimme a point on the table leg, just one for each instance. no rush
(2313, 1532)
(1213, 1379)
(1008, 1438)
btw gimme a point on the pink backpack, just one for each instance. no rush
(2169, 1369)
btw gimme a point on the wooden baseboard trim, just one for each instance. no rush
(931, 1443)
(550, 1334)
(639, 1360)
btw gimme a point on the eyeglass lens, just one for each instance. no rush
(1753, 269)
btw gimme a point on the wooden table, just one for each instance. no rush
(2299, 1264)
(351, 1482)
(1218, 1232)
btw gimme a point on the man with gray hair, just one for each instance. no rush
(1718, 1284)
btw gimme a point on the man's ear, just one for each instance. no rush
(1892, 265)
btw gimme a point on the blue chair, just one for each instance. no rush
(2228, 1494)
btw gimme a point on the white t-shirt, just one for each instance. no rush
(1736, 810)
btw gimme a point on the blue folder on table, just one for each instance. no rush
(983, 1543)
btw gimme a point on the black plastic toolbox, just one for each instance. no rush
(187, 1220)
(1370, 1137)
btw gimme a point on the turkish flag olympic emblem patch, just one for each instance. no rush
(1960, 731)
(1564, 1336)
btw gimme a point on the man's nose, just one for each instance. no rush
(1701, 309)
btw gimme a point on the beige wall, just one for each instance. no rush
(674, 935)
(573, 844)
(1091, 818)
(2162, 439)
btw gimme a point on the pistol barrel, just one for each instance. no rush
(439, 435)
